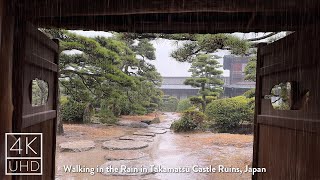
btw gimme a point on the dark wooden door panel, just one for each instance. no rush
(36, 57)
(287, 142)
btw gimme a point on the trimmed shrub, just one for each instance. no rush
(190, 120)
(184, 105)
(138, 109)
(250, 93)
(209, 99)
(169, 104)
(72, 111)
(106, 117)
(225, 115)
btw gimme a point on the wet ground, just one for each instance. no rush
(192, 152)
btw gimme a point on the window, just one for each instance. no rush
(281, 96)
(40, 92)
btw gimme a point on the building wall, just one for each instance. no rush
(237, 84)
(174, 86)
(180, 93)
(232, 92)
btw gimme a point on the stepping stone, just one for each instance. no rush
(162, 126)
(133, 124)
(124, 155)
(76, 146)
(124, 145)
(127, 167)
(143, 133)
(156, 130)
(137, 138)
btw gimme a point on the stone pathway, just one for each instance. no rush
(161, 126)
(156, 130)
(143, 133)
(165, 150)
(132, 124)
(137, 138)
(124, 145)
(125, 150)
(76, 146)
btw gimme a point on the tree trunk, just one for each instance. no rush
(204, 103)
(60, 130)
(59, 121)
(87, 114)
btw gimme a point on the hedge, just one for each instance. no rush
(227, 114)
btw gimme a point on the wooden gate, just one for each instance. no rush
(287, 118)
(36, 61)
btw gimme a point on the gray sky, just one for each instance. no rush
(166, 65)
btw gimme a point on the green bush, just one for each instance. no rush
(169, 104)
(184, 105)
(106, 116)
(197, 101)
(72, 111)
(190, 120)
(209, 99)
(250, 95)
(226, 115)
(138, 109)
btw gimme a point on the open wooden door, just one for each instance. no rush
(287, 119)
(35, 90)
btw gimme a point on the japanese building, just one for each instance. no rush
(236, 84)
(174, 86)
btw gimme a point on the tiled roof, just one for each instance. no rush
(173, 80)
(175, 83)
(177, 87)
(241, 85)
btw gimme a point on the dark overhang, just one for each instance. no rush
(171, 16)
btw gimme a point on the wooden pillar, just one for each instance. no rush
(6, 107)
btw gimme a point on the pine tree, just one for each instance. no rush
(205, 75)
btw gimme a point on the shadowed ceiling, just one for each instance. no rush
(172, 16)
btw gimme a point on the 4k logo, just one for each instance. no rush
(24, 154)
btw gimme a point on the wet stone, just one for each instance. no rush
(124, 155)
(143, 133)
(161, 126)
(76, 146)
(124, 145)
(137, 138)
(157, 130)
(127, 167)
(132, 124)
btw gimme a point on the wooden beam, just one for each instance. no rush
(65, 8)
(6, 107)
(186, 23)
(6, 48)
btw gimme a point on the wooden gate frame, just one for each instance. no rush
(31, 61)
(291, 59)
